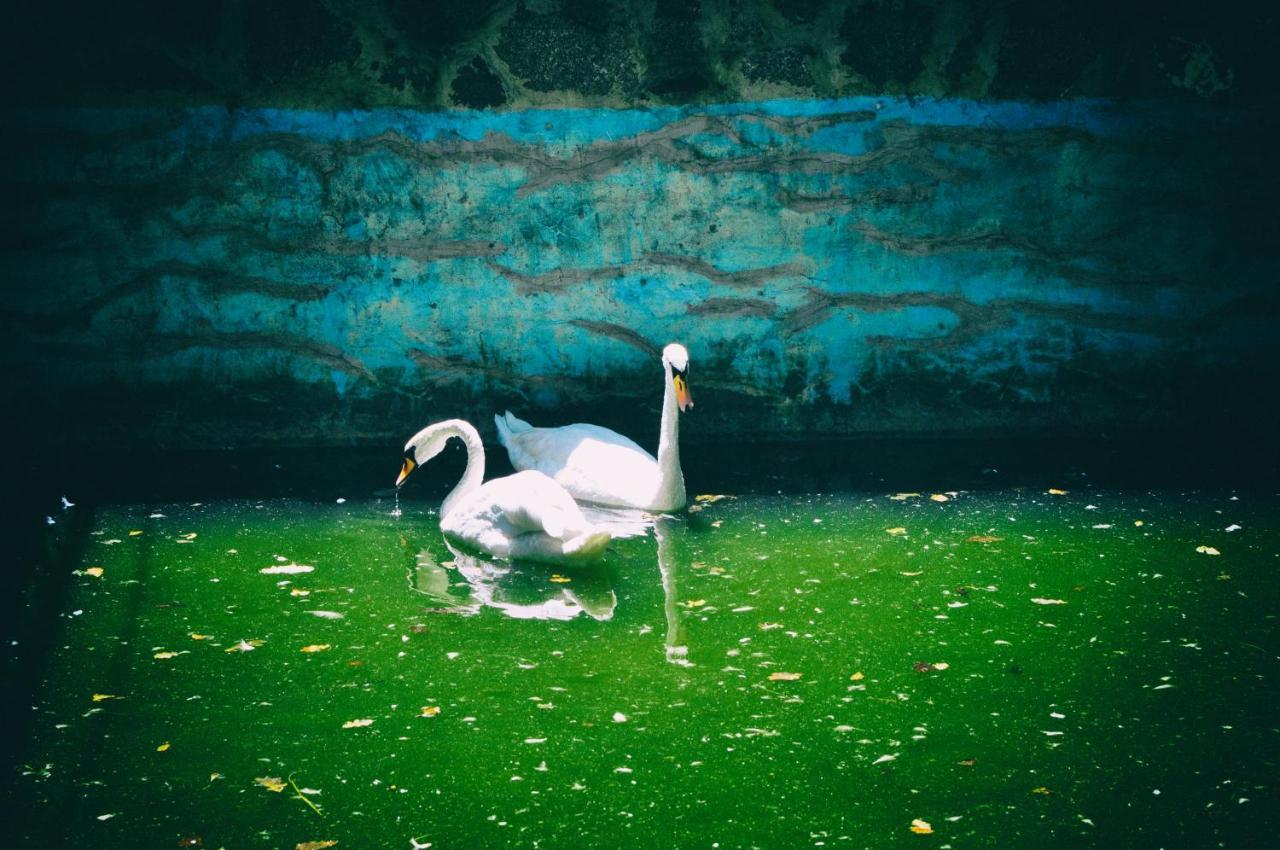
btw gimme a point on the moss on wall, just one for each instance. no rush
(519, 53)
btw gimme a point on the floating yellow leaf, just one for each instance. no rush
(162, 747)
(1207, 550)
(433, 710)
(902, 497)
(940, 665)
(920, 827)
(134, 533)
(1054, 491)
(940, 497)
(897, 532)
(783, 677)
(356, 724)
(710, 497)
(983, 538)
(198, 636)
(694, 603)
(96, 572)
(316, 647)
(213, 777)
(167, 654)
(1040, 790)
(857, 677)
(559, 579)
(189, 536)
(316, 845)
(101, 697)
(271, 783)
(1139, 523)
(297, 591)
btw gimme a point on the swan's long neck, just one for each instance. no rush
(672, 477)
(473, 475)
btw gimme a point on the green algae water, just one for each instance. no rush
(985, 668)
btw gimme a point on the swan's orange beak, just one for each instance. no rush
(408, 466)
(684, 398)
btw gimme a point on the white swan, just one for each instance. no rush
(598, 465)
(526, 515)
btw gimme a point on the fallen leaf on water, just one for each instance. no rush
(163, 747)
(717, 523)
(188, 537)
(902, 497)
(783, 677)
(857, 677)
(429, 711)
(710, 497)
(215, 776)
(1054, 491)
(271, 783)
(940, 665)
(1039, 601)
(134, 533)
(559, 579)
(198, 636)
(884, 758)
(168, 654)
(101, 697)
(694, 603)
(939, 497)
(983, 538)
(245, 646)
(967, 762)
(316, 845)
(316, 647)
(96, 572)
(920, 827)
(1041, 790)
(1207, 550)
(1139, 523)
(327, 615)
(764, 627)
(297, 591)
(286, 569)
(897, 532)
(355, 724)
(922, 667)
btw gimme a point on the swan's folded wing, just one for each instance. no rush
(532, 502)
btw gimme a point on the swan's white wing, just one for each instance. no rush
(530, 502)
(594, 464)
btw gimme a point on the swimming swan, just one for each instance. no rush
(598, 465)
(526, 515)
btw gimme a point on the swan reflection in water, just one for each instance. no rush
(463, 583)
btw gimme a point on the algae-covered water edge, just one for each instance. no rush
(865, 669)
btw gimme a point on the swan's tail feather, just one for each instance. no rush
(508, 424)
(589, 544)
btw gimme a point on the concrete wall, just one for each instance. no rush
(220, 276)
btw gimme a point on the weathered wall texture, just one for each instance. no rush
(519, 53)
(835, 267)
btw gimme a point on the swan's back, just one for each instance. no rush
(525, 515)
(593, 463)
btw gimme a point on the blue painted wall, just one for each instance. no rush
(836, 267)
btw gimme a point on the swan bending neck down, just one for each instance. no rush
(522, 516)
(602, 466)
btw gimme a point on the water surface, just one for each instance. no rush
(1011, 667)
